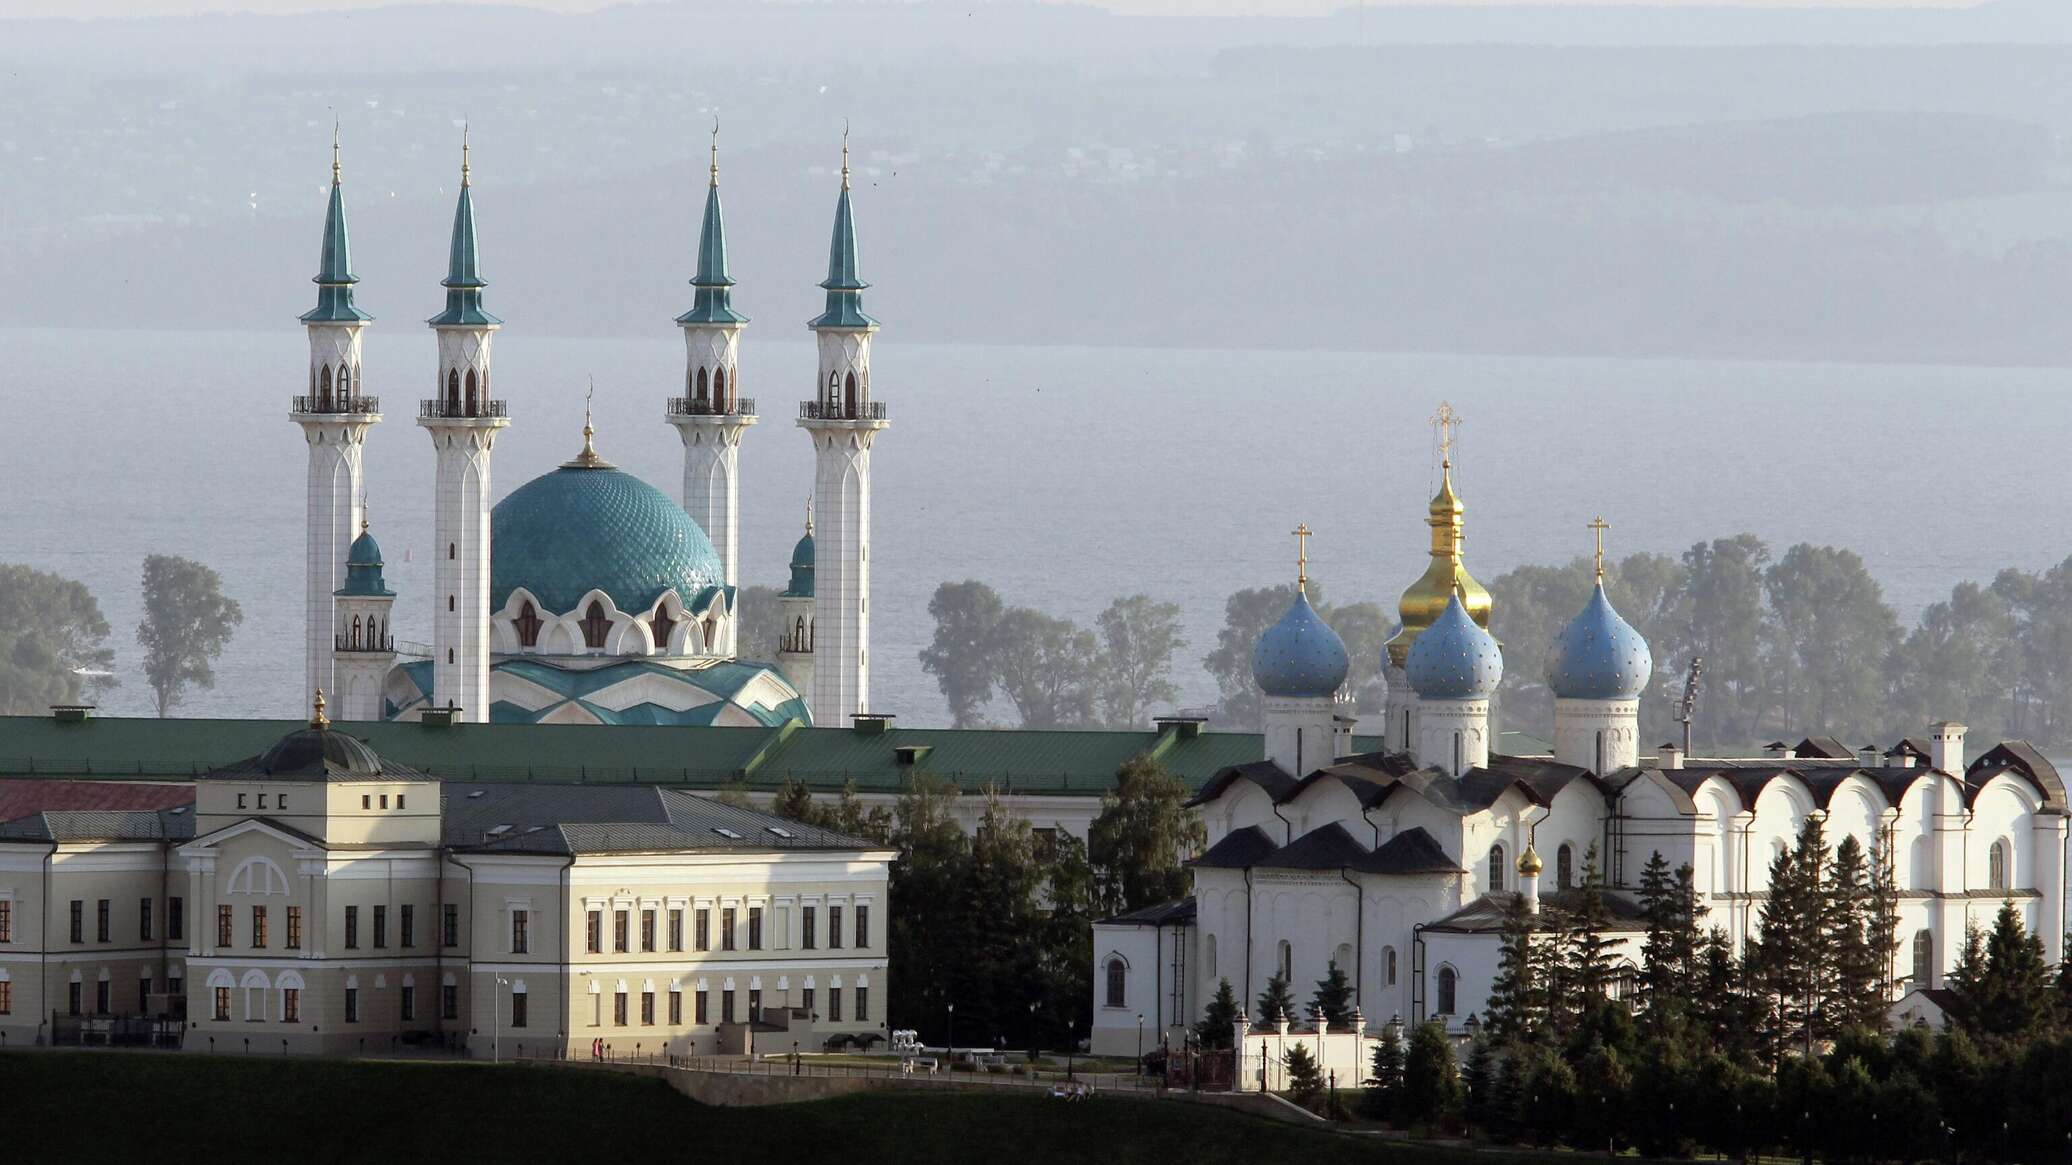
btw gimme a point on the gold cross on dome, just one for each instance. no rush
(1598, 527)
(1446, 421)
(1302, 533)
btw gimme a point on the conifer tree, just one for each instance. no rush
(1333, 1001)
(2064, 984)
(1517, 1006)
(2017, 996)
(1385, 1078)
(1791, 961)
(1220, 1019)
(1660, 972)
(1305, 1080)
(1431, 1080)
(1967, 981)
(1479, 1083)
(1858, 996)
(1590, 960)
(1275, 1001)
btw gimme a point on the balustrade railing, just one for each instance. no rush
(372, 643)
(337, 403)
(690, 406)
(814, 410)
(445, 409)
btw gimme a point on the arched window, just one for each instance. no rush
(1626, 982)
(1388, 966)
(1600, 752)
(1924, 957)
(595, 625)
(798, 635)
(849, 396)
(452, 550)
(471, 392)
(1565, 867)
(1118, 980)
(1460, 755)
(324, 389)
(1996, 866)
(834, 389)
(699, 395)
(1284, 958)
(660, 626)
(711, 629)
(345, 388)
(1449, 986)
(1496, 868)
(528, 625)
(452, 392)
(719, 390)
(354, 642)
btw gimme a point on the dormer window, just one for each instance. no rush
(281, 802)
(241, 800)
(723, 831)
(262, 800)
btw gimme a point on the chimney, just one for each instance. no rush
(1869, 756)
(1946, 747)
(1781, 750)
(1672, 756)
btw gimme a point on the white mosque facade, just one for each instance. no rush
(588, 596)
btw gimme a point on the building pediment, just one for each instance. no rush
(302, 843)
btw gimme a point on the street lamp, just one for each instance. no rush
(1140, 1043)
(950, 1040)
(495, 1012)
(1031, 1033)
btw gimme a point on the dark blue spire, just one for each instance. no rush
(334, 277)
(714, 302)
(844, 286)
(463, 282)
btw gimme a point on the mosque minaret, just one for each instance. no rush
(463, 420)
(711, 415)
(334, 416)
(843, 421)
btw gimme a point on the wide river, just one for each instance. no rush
(1062, 476)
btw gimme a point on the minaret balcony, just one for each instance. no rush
(449, 410)
(688, 406)
(379, 644)
(337, 404)
(817, 410)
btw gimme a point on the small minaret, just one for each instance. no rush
(843, 420)
(463, 420)
(795, 646)
(711, 415)
(364, 646)
(334, 416)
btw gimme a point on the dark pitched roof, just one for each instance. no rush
(1413, 851)
(2021, 756)
(576, 819)
(1240, 849)
(1263, 773)
(1328, 848)
(19, 798)
(1490, 912)
(1370, 775)
(1178, 912)
(62, 825)
(1822, 777)
(1824, 747)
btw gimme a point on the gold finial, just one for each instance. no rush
(845, 153)
(809, 515)
(715, 151)
(1446, 421)
(588, 458)
(334, 152)
(317, 719)
(1598, 527)
(1302, 533)
(463, 152)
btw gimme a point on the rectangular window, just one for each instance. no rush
(755, 1005)
(647, 930)
(400, 797)
(834, 1005)
(726, 931)
(222, 1003)
(175, 919)
(291, 1005)
(619, 926)
(450, 925)
(519, 921)
(294, 928)
(449, 1001)
(352, 1005)
(6, 920)
(384, 800)
(366, 801)
(101, 998)
(281, 802)
(806, 1001)
(6, 997)
(619, 1008)
(755, 928)
(518, 1009)
(176, 987)
(834, 927)
(409, 1003)
(224, 926)
(647, 1009)
(593, 931)
(144, 996)
(783, 924)
(726, 1007)
(676, 930)
(700, 1012)
(863, 1003)
(78, 920)
(808, 917)
(704, 929)
(381, 926)
(352, 928)
(241, 800)
(675, 1007)
(406, 925)
(863, 927)
(101, 922)
(144, 920)
(258, 927)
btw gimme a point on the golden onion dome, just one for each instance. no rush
(1426, 599)
(1529, 863)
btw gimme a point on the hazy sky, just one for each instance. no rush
(119, 8)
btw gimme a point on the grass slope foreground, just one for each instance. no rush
(112, 1106)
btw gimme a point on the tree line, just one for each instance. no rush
(53, 637)
(1791, 644)
(999, 921)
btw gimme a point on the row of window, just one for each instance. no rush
(1998, 862)
(259, 934)
(701, 1010)
(104, 922)
(290, 1009)
(75, 1002)
(701, 924)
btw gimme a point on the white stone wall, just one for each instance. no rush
(1599, 735)
(1443, 724)
(1301, 735)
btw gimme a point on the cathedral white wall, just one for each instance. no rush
(1453, 734)
(1599, 735)
(1147, 955)
(1301, 735)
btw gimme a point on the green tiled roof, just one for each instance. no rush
(363, 569)
(1076, 763)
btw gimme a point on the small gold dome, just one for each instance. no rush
(1529, 862)
(1426, 599)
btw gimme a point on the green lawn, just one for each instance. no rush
(105, 1106)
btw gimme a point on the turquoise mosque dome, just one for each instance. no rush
(1598, 656)
(802, 567)
(1454, 658)
(1300, 656)
(589, 526)
(363, 569)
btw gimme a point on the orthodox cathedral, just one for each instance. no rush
(588, 596)
(1399, 864)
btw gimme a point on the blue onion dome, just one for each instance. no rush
(1454, 659)
(1300, 656)
(1598, 656)
(589, 526)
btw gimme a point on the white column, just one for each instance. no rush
(710, 417)
(842, 438)
(334, 417)
(463, 438)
